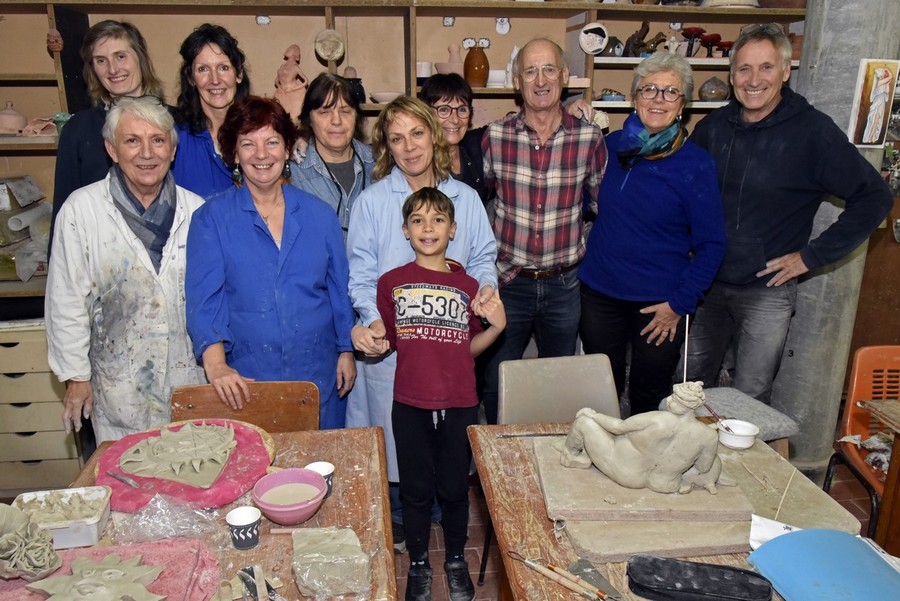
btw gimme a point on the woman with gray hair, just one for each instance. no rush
(658, 240)
(115, 309)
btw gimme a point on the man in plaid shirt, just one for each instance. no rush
(545, 166)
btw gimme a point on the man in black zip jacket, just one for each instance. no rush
(778, 159)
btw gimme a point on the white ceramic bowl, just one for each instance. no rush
(385, 97)
(742, 434)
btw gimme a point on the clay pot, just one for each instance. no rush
(11, 120)
(476, 67)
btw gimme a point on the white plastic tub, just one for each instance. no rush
(82, 532)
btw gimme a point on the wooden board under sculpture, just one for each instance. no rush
(761, 476)
(587, 494)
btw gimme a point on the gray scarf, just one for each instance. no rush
(150, 225)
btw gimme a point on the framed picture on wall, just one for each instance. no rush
(870, 115)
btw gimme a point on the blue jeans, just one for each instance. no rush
(547, 309)
(756, 321)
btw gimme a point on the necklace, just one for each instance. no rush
(265, 218)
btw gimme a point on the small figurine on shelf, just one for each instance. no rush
(291, 83)
(356, 85)
(635, 41)
(54, 42)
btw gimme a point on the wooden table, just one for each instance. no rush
(513, 493)
(887, 533)
(359, 501)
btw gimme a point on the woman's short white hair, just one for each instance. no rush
(146, 108)
(661, 61)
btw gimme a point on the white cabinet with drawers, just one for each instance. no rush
(35, 451)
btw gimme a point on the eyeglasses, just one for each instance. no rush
(550, 72)
(445, 110)
(650, 92)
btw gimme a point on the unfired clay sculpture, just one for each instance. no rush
(26, 550)
(291, 82)
(665, 451)
(110, 579)
(194, 455)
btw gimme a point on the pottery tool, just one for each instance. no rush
(123, 478)
(577, 580)
(589, 573)
(716, 416)
(559, 578)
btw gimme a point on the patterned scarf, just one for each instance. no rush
(150, 225)
(637, 143)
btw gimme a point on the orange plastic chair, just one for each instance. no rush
(274, 406)
(875, 375)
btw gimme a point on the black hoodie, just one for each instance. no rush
(773, 175)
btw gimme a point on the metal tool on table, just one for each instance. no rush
(256, 587)
(574, 583)
(123, 478)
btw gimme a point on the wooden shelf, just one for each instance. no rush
(620, 62)
(627, 105)
(19, 143)
(28, 79)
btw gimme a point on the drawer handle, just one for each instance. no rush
(15, 375)
(9, 344)
(19, 405)
(25, 434)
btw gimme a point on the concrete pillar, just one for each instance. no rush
(837, 34)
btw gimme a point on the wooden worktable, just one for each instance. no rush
(887, 533)
(513, 493)
(359, 501)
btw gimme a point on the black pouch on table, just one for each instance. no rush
(666, 579)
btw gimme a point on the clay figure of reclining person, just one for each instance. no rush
(665, 451)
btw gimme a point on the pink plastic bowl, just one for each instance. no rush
(295, 513)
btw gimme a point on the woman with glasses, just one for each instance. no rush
(338, 163)
(116, 64)
(212, 77)
(451, 98)
(658, 239)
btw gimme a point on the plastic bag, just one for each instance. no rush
(168, 517)
(328, 562)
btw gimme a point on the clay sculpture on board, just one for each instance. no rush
(193, 455)
(110, 578)
(665, 451)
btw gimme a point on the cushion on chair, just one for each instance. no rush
(731, 402)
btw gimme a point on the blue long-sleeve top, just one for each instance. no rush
(659, 233)
(282, 314)
(197, 166)
(376, 243)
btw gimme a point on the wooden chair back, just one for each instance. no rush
(273, 406)
(553, 389)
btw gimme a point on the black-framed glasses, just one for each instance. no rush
(445, 110)
(550, 72)
(651, 91)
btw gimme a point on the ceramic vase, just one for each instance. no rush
(476, 67)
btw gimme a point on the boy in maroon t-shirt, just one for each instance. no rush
(426, 308)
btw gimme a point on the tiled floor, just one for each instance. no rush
(845, 489)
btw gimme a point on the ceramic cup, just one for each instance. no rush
(327, 471)
(244, 525)
(423, 69)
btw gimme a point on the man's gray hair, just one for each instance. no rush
(664, 61)
(146, 108)
(766, 32)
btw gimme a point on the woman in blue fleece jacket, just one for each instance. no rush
(658, 239)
